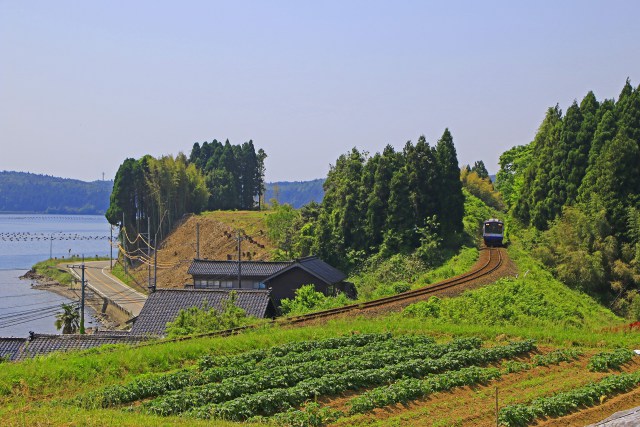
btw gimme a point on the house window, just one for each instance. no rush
(226, 284)
(259, 285)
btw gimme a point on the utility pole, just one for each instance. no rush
(155, 253)
(155, 265)
(82, 281)
(149, 252)
(124, 244)
(198, 241)
(82, 300)
(497, 411)
(51, 246)
(240, 239)
(111, 248)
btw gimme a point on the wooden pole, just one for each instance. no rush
(497, 422)
(82, 300)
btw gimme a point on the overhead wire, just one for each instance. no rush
(27, 312)
(18, 319)
(29, 305)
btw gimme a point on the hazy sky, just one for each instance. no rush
(85, 84)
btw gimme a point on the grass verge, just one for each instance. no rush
(51, 268)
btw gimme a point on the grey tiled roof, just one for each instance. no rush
(266, 270)
(628, 418)
(164, 305)
(321, 269)
(9, 347)
(258, 269)
(39, 344)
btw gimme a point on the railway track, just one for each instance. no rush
(494, 261)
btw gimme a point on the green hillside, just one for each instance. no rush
(33, 193)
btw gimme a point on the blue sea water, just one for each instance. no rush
(28, 239)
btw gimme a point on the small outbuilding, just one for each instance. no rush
(283, 279)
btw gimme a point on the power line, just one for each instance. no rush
(30, 305)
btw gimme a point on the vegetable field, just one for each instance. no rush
(344, 380)
(276, 382)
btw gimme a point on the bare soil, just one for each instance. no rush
(217, 242)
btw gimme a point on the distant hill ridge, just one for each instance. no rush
(34, 193)
(27, 192)
(295, 193)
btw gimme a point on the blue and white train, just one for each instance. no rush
(492, 232)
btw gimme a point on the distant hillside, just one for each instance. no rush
(34, 193)
(296, 193)
(28, 192)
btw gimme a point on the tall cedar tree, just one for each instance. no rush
(593, 156)
(379, 203)
(480, 169)
(234, 173)
(378, 200)
(535, 204)
(450, 207)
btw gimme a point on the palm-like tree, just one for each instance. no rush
(68, 320)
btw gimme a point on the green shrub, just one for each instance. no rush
(307, 300)
(197, 320)
(533, 299)
(605, 361)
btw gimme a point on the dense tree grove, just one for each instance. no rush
(149, 195)
(155, 193)
(234, 173)
(479, 184)
(579, 183)
(391, 202)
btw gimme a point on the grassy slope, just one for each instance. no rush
(64, 375)
(533, 305)
(179, 248)
(250, 221)
(50, 268)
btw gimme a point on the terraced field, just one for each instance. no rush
(379, 379)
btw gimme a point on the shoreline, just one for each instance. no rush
(41, 282)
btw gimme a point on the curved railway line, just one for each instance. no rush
(485, 267)
(493, 262)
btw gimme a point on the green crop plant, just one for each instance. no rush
(274, 400)
(564, 403)
(605, 361)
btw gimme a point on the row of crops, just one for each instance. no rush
(272, 384)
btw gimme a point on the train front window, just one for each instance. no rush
(493, 227)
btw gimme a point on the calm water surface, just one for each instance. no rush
(27, 239)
